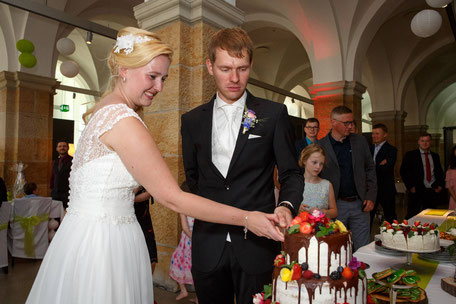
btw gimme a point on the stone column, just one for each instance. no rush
(437, 146)
(326, 96)
(411, 136)
(26, 110)
(186, 26)
(394, 121)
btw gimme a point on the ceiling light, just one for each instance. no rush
(89, 37)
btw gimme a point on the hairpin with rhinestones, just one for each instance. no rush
(127, 43)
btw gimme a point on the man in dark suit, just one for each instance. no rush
(384, 156)
(423, 176)
(230, 160)
(349, 167)
(61, 167)
(311, 129)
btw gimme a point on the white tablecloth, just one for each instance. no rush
(57, 210)
(379, 261)
(438, 219)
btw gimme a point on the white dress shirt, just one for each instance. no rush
(226, 122)
(431, 162)
(377, 148)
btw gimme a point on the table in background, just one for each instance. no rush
(423, 217)
(378, 262)
(56, 211)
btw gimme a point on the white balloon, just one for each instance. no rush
(51, 235)
(426, 23)
(65, 46)
(53, 224)
(438, 3)
(69, 69)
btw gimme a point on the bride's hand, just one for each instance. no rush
(263, 224)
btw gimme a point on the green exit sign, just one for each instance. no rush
(64, 108)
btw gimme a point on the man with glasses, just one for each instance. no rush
(351, 170)
(311, 129)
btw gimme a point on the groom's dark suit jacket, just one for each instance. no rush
(248, 184)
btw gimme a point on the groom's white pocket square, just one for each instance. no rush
(254, 136)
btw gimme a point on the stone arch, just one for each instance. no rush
(441, 111)
(12, 24)
(371, 19)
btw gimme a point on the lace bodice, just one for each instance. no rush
(100, 185)
(316, 195)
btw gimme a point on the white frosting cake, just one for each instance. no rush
(410, 238)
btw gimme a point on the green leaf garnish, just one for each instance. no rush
(293, 229)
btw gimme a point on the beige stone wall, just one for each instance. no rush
(26, 108)
(187, 86)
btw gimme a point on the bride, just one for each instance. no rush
(99, 254)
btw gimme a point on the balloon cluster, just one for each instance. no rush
(26, 58)
(66, 47)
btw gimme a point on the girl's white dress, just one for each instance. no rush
(98, 254)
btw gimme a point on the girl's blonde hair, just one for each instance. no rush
(143, 52)
(308, 151)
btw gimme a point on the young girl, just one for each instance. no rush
(181, 261)
(318, 192)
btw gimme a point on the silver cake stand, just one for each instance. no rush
(392, 287)
(409, 253)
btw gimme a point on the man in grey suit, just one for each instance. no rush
(351, 170)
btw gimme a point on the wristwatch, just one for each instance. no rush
(287, 205)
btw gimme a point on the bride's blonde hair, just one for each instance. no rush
(143, 52)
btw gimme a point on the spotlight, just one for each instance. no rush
(89, 37)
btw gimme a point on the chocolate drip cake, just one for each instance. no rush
(316, 265)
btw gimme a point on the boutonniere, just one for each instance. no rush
(249, 120)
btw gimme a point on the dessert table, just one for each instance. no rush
(438, 216)
(379, 261)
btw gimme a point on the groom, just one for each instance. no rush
(233, 164)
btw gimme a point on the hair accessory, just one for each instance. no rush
(127, 42)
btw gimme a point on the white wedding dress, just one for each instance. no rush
(98, 254)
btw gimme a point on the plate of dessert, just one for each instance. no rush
(400, 284)
(447, 253)
(381, 249)
(405, 237)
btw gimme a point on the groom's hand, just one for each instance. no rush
(284, 216)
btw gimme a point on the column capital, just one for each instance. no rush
(388, 115)
(30, 81)
(416, 128)
(343, 87)
(219, 13)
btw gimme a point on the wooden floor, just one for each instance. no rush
(15, 286)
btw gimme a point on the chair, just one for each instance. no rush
(5, 213)
(28, 235)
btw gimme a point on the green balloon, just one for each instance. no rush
(27, 60)
(25, 46)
